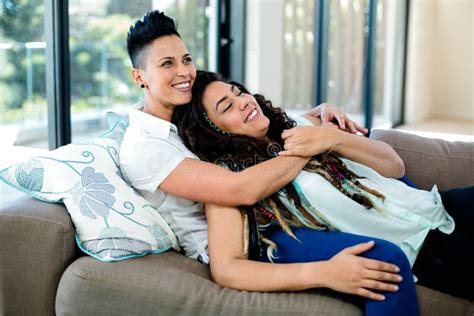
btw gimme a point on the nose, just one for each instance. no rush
(244, 102)
(182, 70)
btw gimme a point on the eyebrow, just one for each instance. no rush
(170, 57)
(225, 97)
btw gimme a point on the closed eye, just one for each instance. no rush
(227, 108)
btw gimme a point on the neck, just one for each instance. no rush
(159, 110)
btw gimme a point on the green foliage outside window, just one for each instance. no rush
(100, 67)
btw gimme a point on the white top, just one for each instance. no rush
(408, 214)
(150, 151)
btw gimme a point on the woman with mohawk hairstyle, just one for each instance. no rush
(309, 224)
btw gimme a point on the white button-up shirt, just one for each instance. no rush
(150, 151)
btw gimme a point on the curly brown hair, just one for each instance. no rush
(237, 152)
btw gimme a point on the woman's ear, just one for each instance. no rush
(137, 77)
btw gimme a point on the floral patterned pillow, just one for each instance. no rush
(112, 221)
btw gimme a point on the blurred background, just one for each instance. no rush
(387, 63)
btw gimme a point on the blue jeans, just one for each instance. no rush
(322, 245)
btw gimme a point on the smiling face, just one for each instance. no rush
(168, 73)
(234, 111)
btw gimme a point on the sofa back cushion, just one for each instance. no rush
(430, 161)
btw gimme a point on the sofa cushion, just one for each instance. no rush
(436, 303)
(171, 284)
(430, 161)
(112, 221)
(36, 246)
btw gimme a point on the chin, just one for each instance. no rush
(263, 133)
(182, 101)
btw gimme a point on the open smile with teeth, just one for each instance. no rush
(182, 85)
(251, 116)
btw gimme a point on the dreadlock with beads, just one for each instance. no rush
(286, 207)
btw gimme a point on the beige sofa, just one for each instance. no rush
(42, 272)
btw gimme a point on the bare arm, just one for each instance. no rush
(345, 272)
(373, 153)
(208, 183)
(224, 187)
(313, 140)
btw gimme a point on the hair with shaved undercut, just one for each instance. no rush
(155, 24)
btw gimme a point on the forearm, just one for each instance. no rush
(231, 269)
(208, 183)
(259, 181)
(372, 153)
(246, 275)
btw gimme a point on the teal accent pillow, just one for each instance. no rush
(112, 221)
(113, 118)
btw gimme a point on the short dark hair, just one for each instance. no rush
(155, 24)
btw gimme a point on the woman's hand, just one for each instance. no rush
(349, 273)
(307, 141)
(332, 115)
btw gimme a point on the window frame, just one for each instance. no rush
(58, 78)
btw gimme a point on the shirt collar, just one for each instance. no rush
(149, 123)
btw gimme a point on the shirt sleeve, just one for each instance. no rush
(147, 163)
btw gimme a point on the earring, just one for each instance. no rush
(213, 126)
(142, 86)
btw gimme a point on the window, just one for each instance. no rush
(97, 76)
(365, 59)
(23, 106)
(298, 54)
(314, 51)
(390, 62)
(351, 51)
(347, 32)
(100, 66)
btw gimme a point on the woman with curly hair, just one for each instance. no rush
(341, 190)
(154, 159)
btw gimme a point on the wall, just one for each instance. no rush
(454, 67)
(440, 63)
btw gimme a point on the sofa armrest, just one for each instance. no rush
(36, 246)
(431, 161)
